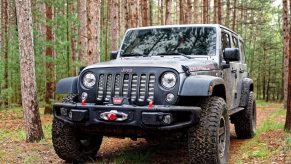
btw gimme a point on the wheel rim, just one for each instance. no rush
(222, 137)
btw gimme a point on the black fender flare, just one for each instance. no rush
(199, 85)
(247, 86)
(67, 86)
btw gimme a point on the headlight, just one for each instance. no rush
(168, 80)
(89, 80)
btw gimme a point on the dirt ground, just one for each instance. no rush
(18, 151)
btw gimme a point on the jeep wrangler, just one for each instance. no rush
(164, 81)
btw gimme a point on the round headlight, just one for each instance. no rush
(168, 80)
(89, 80)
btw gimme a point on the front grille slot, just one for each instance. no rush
(142, 88)
(100, 88)
(151, 88)
(137, 88)
(134, 82)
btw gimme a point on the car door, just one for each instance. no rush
(230, 74)
(241, 69)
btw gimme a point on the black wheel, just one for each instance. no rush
(70, 144)
(208, 142)
(245, 121)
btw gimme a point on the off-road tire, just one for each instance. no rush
(204, 138)
(245, 120)
(70, 144)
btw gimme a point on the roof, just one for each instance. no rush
(186, 25)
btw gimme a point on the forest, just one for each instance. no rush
(44, 41)
(67, 32)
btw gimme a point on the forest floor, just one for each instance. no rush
(270, 145)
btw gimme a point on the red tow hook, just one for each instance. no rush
(83, 102)
(151, 103)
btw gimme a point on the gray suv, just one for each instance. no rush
(175, 81)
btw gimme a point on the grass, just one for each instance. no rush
(258, 148)
(263, 103)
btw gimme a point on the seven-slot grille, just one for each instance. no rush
(133, 86)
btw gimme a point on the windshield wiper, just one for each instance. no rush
(133, 55)
(173, 53)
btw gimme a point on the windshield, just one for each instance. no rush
(157, 41)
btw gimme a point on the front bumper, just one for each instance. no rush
(140, 117)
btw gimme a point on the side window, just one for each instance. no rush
(235, 42)
(242, 50)
(225, 41)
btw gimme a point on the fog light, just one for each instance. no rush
(64, 111)
(170, 97)
(70, 114)
(84, 96)
(167, 119)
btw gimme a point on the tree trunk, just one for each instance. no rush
(93, 55)
(168, 12)
(83, 36)
(288, 58)
(27, 71)
(286, 51)
(196, 9)
(50, 57)
(4, 46)
(162, 12)
(189, 12)
(234, 15)
(151, 12)
(114, 24)
(182, 21)
(227, 20)
(73, 42)
(219, 12)
(215, 11)
(205, 6)
(145, 13)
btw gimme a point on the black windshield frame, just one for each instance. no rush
(187, 40)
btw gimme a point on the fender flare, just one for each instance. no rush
(67, 86)
(247, 85)
(199, 85)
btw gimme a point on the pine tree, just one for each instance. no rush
(27, 66)
(50, 57)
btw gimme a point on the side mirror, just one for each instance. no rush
(231, 54)
(113, 55)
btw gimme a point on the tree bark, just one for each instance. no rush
(288, 58)
(162, 12)
(234, 15)
(204, 12)
(168, 12)
(93, 55)
(182, 20)
(83, 36)
(73, 42)
(189, 12)
(50, 57)
(4, 46)
(145, 12)
(27, 71)
(227, 13)
(196, 9)
(286, 51)
(219, 12)
(114, 24)
(215, 11)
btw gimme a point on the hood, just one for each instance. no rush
(195, 64)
